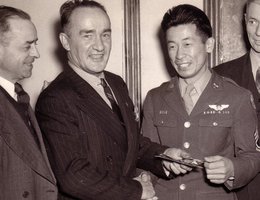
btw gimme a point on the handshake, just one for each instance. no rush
(169, 166)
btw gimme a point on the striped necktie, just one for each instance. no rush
(112, 100)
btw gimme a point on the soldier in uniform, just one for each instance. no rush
(207, 115)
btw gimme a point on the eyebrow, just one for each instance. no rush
(92, 31)
(32, 41)
(184, 39)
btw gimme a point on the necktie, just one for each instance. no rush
(111, 98)
(257, 79)
(187, 98)
(24, 100)
(22, 97)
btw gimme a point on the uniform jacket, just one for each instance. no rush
(240, 70)
(25, 172)
(223, 122)
(93, 156)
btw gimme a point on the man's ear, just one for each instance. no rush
(64, 39)
(210, 44)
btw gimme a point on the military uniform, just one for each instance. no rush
(223, 122)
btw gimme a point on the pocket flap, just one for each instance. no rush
(165, 122)
(216, 122)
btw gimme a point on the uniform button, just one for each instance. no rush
(215, 123)
(186, 145)
(162, 122)
(182, 187)
(25, 194)
(109, 159)
(187, 124)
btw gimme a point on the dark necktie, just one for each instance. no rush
(111, 98)
(22, 97)
(257, 79)
(24, 101)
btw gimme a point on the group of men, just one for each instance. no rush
(84, 142)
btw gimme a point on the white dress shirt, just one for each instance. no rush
(8, 87)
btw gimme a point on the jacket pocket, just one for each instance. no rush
(166, 130)
(214, 135)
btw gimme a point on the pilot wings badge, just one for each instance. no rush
(219, 107)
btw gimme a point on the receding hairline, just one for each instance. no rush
(68, 25)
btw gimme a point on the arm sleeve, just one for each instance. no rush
(76, 175)
(247, 158)
(150, 144)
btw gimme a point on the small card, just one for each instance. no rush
(190, 162)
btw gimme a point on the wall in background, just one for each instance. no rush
(155, 66)
(45, 16)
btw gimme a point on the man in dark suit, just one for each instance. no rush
(24, 168)
(87, 117)
(209, 116)
(243, 71)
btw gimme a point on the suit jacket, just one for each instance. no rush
(93, 156)
(240, 70)
(216, 126)
(25, 172)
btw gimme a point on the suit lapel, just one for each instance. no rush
(130, 123)
(42, 146)
(17, 135)
(89, 101)
(247, 79)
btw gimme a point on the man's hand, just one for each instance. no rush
(218, 169)
(148, 190)
(176, 168)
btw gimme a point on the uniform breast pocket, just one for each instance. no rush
(166, 130)
(214, 135)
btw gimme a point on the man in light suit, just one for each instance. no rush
(209, 116)
(93, 141)
(243, 71)
(25, 171)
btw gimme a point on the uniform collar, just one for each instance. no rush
(199, 84)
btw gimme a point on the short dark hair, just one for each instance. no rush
(69, 6)
(7, 13)
(187, 14)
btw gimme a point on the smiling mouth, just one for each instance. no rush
(257, 42)
(96, 56)
(183, 65)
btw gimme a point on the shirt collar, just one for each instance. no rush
(90, 78)
(199, 84)
(8, 86)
